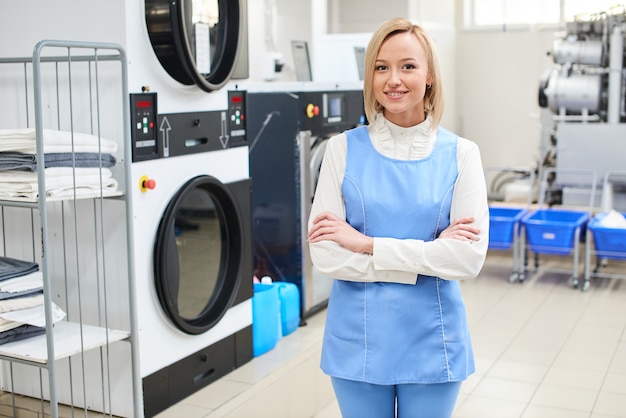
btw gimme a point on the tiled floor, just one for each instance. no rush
(543, 350)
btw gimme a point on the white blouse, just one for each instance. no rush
(401, 260)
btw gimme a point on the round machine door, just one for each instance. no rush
(196, 41)
(197, 255)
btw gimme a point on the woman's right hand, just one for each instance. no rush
(329, 227)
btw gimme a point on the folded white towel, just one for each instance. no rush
(24, 140)
(21, 283)
(21, 303)
(35, 316)
(56, 175)
(60, 181)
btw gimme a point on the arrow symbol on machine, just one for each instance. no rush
(224, 136)
(165, 129)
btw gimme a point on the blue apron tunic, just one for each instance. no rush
(391, 333)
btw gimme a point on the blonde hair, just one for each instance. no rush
(433, 98)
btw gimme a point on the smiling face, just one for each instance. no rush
(400, 78)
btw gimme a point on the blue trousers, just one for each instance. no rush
(365, 400)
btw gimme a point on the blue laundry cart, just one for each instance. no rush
(504, 234)
(558, 230)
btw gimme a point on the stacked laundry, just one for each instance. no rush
(75, 163)
(22, 313)
(613, 219)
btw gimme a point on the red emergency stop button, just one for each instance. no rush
(146, 183)
(312, 110)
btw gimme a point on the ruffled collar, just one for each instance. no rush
(411, 143)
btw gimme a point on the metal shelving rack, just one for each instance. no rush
(100, 314)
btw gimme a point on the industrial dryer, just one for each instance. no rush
(189, 191)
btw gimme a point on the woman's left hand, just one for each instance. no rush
(462, 229)
(329, 227)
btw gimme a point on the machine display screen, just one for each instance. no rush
(334, 108)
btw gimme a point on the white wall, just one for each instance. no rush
(355, 16)
(497, 78)
(272, 25)
(23, 24)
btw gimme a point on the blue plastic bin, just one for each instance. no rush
(502, 223)
(265, 318)
(608, 242)
(289, 297)
(552, 231)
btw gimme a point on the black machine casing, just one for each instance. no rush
(287, 133)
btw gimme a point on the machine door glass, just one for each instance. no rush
(196, 41)
(197, 255)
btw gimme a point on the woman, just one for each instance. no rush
(400, 215)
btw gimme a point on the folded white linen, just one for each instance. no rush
(19, 284)
(24, 140)
(60, 181)
(35, 316)
(6, 325)
(57, 175)
(21, 303)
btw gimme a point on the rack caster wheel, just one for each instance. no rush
(522, 277)
(513, 277)
(586, 285)
(575, 282)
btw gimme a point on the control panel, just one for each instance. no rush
(143, 122)
(167, 135)
(237, 117)
(331, 111)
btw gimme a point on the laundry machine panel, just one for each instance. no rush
(160, 135)
(274, 158)
(288, 131)
(330, 112)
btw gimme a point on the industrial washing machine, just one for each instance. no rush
(191, 198)
(193, 257)
(583, 118)
(289, 125)
(190, 188)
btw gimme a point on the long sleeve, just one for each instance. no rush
(446, 258)
(398, 260)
